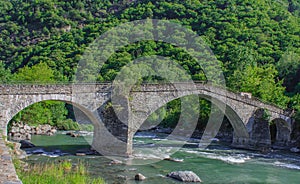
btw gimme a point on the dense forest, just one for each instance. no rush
(256, 41)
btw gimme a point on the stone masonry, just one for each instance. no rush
(132, 109)
(7, 170)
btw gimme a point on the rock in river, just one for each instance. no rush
(185, 176)
(26, 144)
(139, 177)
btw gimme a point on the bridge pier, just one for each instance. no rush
(240, 142)
(111, 134)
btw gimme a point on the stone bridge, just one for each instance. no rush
(113, 136)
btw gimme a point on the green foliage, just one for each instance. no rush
(47, 112)
(86, 127)
(53, 173)
(68, 125)
(42, 41)
(295, 104)
(39, 73)
(266, 115)
(57, 32)
(169, 114)
(289, 70)
(260, 81)
(5, 75)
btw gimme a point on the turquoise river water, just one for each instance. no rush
(217, 163)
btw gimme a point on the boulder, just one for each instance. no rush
(139, 177)
(46, 128)
(14, 129)
(28, 136)
(38, 130)
(22, 131)
(26, 127)
(185, 176)
(26, 144)
(20, 124)
(16, 136)
(53, 131)
(49, 133)
(74, 134)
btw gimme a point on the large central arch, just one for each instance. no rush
(241, 135)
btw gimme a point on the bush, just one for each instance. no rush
(87, 127)
(68, 125)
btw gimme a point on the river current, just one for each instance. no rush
(218, 163)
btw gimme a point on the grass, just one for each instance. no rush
(56, 173)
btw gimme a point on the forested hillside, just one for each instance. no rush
(257, 41)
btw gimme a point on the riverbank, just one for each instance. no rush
(22, 131)
(16, 170)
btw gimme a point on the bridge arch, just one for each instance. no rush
(281, 132)
(240, 131)
(21, 104)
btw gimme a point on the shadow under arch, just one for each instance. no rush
(281, 132)
(259, 130)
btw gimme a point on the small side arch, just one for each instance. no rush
(22, 104)
(259, 129)
(281, 132)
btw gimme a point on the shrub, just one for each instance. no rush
(68, 125)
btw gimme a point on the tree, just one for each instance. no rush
(5, 75)
(289, 70)
(260, 81)
(39, 73)
(46, 112)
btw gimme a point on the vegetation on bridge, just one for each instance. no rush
(257, 43)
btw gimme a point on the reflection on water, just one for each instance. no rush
(215, 164)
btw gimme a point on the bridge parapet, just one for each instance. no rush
(32, 89)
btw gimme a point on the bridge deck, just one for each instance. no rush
(28, 89)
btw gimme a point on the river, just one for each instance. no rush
(217, 163)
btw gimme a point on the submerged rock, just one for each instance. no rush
(173, 159)
(72, 134)
(185, 176)
(139, 177)
(26, 144)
